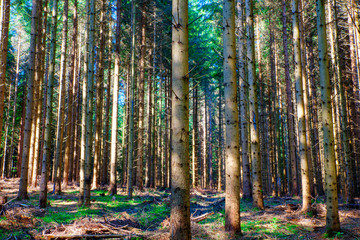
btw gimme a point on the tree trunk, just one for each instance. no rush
(232, 146)
(113, 187)
(23, 194)
(99, 97)
(306, 195)
(243, 103)
(69, 148)
(180, 177)
(48, 117)
(332, 213)
(89, 106)
(5, 20)
(131, 101)
(253, 110)
(139, 174)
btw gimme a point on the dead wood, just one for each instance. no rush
(202, 217)
(69, 236)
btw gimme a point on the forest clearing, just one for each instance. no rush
(146, 216)
(179, 119)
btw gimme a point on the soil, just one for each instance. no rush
(147, 216)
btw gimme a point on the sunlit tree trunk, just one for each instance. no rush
(89, 107)
(306, 195)
(84, 103)
(232, 146)
(180, 227)
(332, 212)
(113, 187)
(106, 144)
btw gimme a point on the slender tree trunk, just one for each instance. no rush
(61, 103)
(89, 106)
(243, 102)
(131, 101)
(48, 117)
(290, 107)
(106, 144)
(253, 111)
(23, 194)
(220, 143)
(5, 20)
(180, 177)
(306, 195)
(113, 187)
(69, 148)
(11, 153)
(332, 212)
(139, 174)
(84, 109)
(232, 146)
(99, 97)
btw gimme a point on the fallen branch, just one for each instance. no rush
(69, 236)
(201, 217)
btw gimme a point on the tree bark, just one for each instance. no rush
(180, 177)
(23, 194)
(253, 110)
(232, 145)
(332, 212)
(306, 194)
(48, 117)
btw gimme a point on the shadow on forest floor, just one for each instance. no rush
(146, 216)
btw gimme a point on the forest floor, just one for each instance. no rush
(146, 216)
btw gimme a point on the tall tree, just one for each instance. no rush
(23, 194)
(48, 117)
(305, 179)
(232, 146)
(112, 187)
(61, 103)
(180, 171)
(332, 211)
(253, 109)
(5, 20)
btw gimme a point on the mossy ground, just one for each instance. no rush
(149, 211)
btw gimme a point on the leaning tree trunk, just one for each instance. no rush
(23, 194)
(332, 212)
(232, 146)
(180, 171)
(253, 110)
(306, 195)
